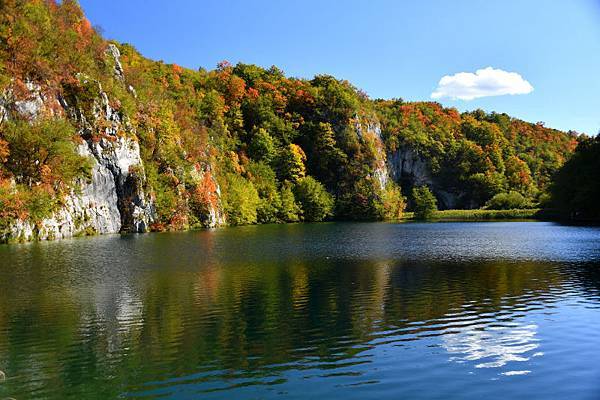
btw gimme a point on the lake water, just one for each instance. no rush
(502, 310)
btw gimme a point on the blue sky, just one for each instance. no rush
(390, 48)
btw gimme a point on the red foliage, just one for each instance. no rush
(252, 93)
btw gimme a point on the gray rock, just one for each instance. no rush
(405, 162)
(113, 51)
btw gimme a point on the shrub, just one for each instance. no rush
(424, 202)
(507, 201)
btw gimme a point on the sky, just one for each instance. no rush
(538, 60)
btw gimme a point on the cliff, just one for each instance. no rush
(113, 198)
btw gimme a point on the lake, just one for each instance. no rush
(498, 310)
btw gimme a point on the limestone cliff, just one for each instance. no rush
(407, 167)
(404, 166)
(114, 198)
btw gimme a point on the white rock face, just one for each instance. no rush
(407, 163)
(113, 51)
(96, 208)
(381, 173)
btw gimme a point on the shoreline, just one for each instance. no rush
(477, 215)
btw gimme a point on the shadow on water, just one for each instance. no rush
(301, 311)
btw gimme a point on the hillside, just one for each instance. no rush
(96, 138)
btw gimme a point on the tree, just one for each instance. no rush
(4, 152)
(518, 174)
(42, 152)
(361, 200)
(291, 163)
(262, 147)
(316, 202)
(325, 158)
(424, 202)
(576, 187)
(264, 180)
(392, 202)
(241, 200)
(290, 210)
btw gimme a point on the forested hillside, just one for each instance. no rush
(239, 144)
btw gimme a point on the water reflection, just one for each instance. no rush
(297, 312)
(493, 346)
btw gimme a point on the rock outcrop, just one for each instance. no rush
(370, 129)
(407, 167)
(404, 165)
(114, 199)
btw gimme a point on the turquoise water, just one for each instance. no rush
(503, 310)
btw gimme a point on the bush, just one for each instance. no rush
(507, 201)
(316, 202)
(424, 202)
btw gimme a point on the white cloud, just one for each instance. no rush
(484, 82)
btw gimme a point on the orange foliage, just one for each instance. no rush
(4, 151)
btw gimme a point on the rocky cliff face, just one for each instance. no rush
(370, 129)
(404, 166)
(114, 199)
(408, 167)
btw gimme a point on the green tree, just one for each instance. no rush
(264, 180)
(316, 202)
(262, 147)
(240, 200)
(424, 202)
(290, 210)
(360, 201)
(325, 158)
(392, 202)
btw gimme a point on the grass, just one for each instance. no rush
(483, 215)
